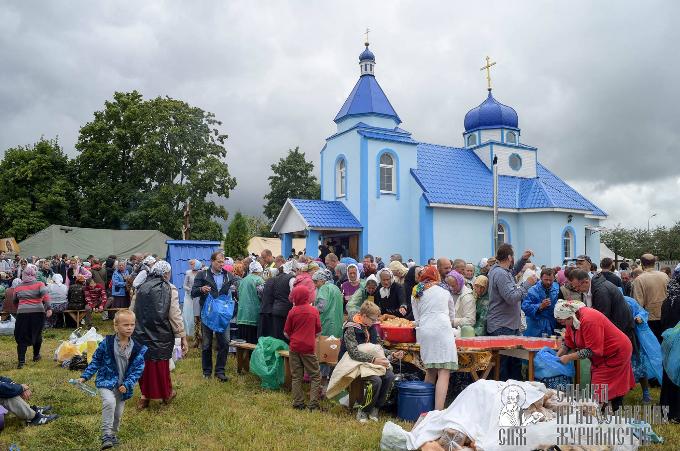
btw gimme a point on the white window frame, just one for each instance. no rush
(469, 138)
(340, 178)
(501, 232)
(514, 135)
(568, 244)
(390, 167)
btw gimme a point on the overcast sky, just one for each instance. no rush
(594, 83)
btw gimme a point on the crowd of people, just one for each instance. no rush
(298, 298)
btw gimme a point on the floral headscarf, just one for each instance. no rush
(568, 309)
(460, 281)
(161, 268)
(429, 277)
(322, 274)
(29, 273)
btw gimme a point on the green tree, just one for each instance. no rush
(620, 241)
(236, 241)
(141, 160)
(36, 189)
(293, 179)
(258, 226)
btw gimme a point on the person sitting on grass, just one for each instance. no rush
(119, 363)
(13, 397)
(303, 325)
(361, 329)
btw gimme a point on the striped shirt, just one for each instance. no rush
(32, 297)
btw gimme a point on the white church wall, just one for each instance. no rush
(484, 154)
(491, 135)
(373, 121)
(528, 167)
(462, 233)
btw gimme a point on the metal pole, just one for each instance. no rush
(495, 204)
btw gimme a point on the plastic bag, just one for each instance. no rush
(671, 353)
(7, 327)
(188, 315)
(650, 352)
(547, 364)
(66, 351)
(217, 312)
(267, 364)
(90, 335)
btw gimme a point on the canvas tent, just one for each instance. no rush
(82, 242)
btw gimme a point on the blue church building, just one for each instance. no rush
(385, 192)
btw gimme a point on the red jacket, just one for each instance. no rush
(95, 296)
(302, 326)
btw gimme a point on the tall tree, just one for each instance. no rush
(292, 178)
(236, 241)
(37, 189)
(141, 160)
(258, 226)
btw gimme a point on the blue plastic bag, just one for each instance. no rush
(671, 353)
(649, 347)
(547, 364)
(217, 312)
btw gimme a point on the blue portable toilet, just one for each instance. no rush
(179, 254)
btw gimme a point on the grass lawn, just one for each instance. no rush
(206, 414)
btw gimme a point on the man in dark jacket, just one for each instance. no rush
(13, 397)
(281, 304)
(607, 299)
(215, 281)
(606, 266)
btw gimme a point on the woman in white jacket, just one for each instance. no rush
(464, 300)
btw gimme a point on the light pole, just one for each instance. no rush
(650, 217)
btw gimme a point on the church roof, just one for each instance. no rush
(325, 214)
(490, 114)
(455, 176)
(367, 97)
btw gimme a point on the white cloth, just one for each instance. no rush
(434, 313)
(465, 308)
(348, 369)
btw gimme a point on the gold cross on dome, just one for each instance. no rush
(366, 33)
(488, 71)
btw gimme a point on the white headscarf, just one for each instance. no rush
(161, 268)
(149, 260)
(255, 268)
(289, 266)
(56, 278)
(567, 309)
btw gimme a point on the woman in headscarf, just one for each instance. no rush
(74, 270)
(193, 303)
(145, 269)
(590, 335)
(121, 298)
(329, 303)
(352, 283)
(249, 301)
(304, 277)
(340, 274)
(464, 300)
(159, 322)
(390, 297)
(670, 316)
(481, 291)
(33, 307)
(433, 310)
(58, 293)
(368, 292)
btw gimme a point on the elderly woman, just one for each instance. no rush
(480, 289)
(121, 298)
(304, 277)
(390, 297)
(249, 301)
(433, 308)
(58, 294)
(368, 292)
(398, 271)
(352, 284)
(33, 307)
(144, 270)
(329, 303)
(159, 322)
(340, 274)
(590, 335)
(463, 299)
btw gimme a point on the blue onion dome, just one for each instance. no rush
(491, 114)
(366, 55)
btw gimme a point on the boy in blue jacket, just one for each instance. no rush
(119, 363)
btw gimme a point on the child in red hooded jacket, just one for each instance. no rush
(303, 325)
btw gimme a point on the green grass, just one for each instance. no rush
(238, 415)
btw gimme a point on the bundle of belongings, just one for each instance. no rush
(512, 415)
(347, 369)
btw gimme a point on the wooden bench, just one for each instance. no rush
(243, 351)
(76, 315)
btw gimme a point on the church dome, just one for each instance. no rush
(490, 114)
(366, 55)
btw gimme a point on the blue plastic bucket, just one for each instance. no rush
(414, 398)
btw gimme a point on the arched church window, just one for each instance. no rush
(511, 137)
(386, 173)
(472, 140)
(340, 178)
(568, 244)
(501, 235)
